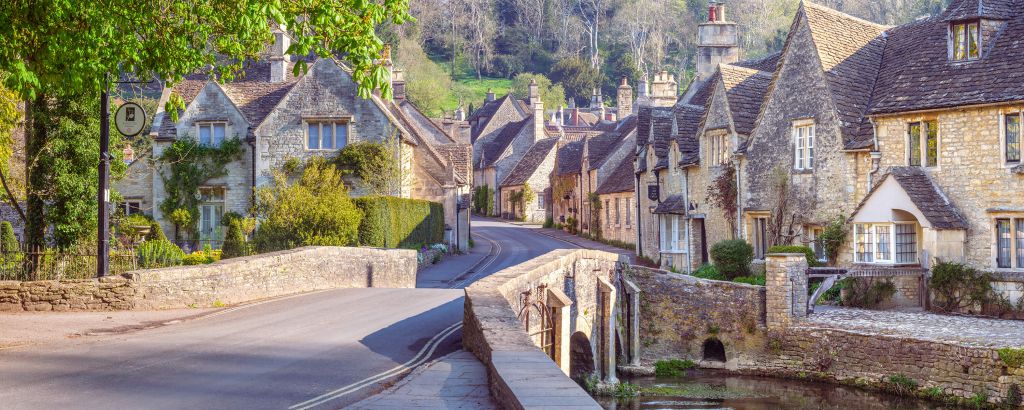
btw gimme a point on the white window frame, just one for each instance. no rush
(803, 144)
(670, 238)
(334, 125)
(1016, 256)
(215, 235)
(872, 241)
(212, 126)
(540, 201)
(813, 233)
(951, 42)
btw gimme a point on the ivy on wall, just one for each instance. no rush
(189, 164)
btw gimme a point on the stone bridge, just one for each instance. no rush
(566, 313)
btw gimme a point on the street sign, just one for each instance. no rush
(130, 119)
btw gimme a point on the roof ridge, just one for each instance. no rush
(838, 13)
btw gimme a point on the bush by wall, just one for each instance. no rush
(158, 254)
(391, 222)
(812, 259)
(8, 242)
(732, 257)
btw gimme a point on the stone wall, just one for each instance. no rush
(620, 225)
(226, 282)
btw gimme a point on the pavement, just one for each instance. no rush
(960, 330)
(455, 381)
(327, 349)
(586, 243)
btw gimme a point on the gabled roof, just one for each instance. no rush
(569, 158)
(850, 50)
(688, 120)
(974, 9)
(745, 91)
(925, 195)
(620, 180)
(437, 151)
(916, 73)
(528, 165)
(625, 127)
(492, 150)
(767, 63)
(675, 204)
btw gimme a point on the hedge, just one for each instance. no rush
(732, 257)
(391, 222)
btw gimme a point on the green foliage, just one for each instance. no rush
(573, 225)
(933, 393)
(392, 222)
(314, 210)
(1012, 357)
(8, 242)
(472, 89)
(902, 385)
(549, 222)
(483, 200)
(958, 286)
(131, 226)
(732, 257)
(552, 95)
(578, 78)
(158, 254)
(709, 272)
(722, 194)
(235, 242)
(156, 232)
(832, 237)
(979, 400)
(188, 166)
(812, 260)
(426, 84)
(866, 293)
(750, 280)
(375, 164)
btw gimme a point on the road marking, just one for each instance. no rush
(480, 269)
(424, 354)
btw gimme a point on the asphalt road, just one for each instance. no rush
(319, 350)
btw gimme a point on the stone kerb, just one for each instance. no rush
(275, 274)
(521, 375)
(785, 288)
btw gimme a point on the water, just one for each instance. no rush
(704, 389)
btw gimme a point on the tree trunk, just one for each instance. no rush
(35, 142)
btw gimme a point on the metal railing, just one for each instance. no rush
(57, 264)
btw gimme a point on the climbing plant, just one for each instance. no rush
(722, 194)
(187, 165)
(832, 237)
(595, 215)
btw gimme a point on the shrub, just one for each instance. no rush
(902, 385)
(314, 210)
(732, 257)
(8, 242)
(751, 280)
(1012, 357)
(156, 232)
(958, 286)
(158, 254)
(709, 272)
(549, 222)
(673, 367)
(572, 224)
(391, 222)
(865, 293)
(235, 243)
(812, 259)
(832, 237)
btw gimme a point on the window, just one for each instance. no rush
(873, 243)
(760, 237)
(617, 215)
(211, 133)
(923, 142)
(540, 201)
(629, 211)
(813, 240)
(964, 38)
(211, 210)
(327, 135)
(607, 213)
(1011, 138)
(670, 242)
(718, 149)
(803, 138)
(130, 207)
(1010, 243)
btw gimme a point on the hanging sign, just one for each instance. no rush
(130, 119)
(652, 192)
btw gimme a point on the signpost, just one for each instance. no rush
(130, 120)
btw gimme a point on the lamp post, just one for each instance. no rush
(103, 251)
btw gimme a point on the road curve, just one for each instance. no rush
(319, 350)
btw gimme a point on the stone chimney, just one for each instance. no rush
(278, 59)
(624, 99)
(595, 99)
(538, 111)
(490, 95)
(398, 84)
(717, 42)
(460, 114)
(663, 90)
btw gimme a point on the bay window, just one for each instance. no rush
(885, 243)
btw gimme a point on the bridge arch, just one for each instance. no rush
(581, 356)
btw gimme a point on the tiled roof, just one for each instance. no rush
(767, 63)
(620, 180)
(460, 157)
(438, 153)
(745, 89)
(688, 120)
(916, 73)
(925, 195)
(662, 120)
(675, 204)
(486, 110)
(621, 133)
(569, 158)
(529, 163)
(493, 149)
(973, 9)
(423, 125)
(850, 50)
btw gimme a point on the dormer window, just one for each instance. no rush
(211, 133)
(964, 40)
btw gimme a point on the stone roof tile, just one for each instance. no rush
(620, 180)
(528, 165)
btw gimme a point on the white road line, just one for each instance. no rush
(479, 269)
(424, 354)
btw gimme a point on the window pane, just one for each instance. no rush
(972, 41)
(327, 137)
(342, 138)
(906, 243)
(865, 244)
(1003, 241)
(932, 137)
(914, 141)
(218, 134)
(1020, 243)
(1013, 138)
(882, 232)
(204, 135)
(798, 135)
(314, 136)
(958, 42)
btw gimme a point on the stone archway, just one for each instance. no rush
(581, 356)
(714, 350)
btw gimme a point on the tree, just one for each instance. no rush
(722, 194)
(577, 77)
(787, 210)
(553, 95)
(427, 84)
(375, 164)
(55, 49)
(8, 242)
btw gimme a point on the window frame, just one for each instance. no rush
(1015, 246)
(803, 144)
(955, 42)
(670, 234)
(1004, 138)
(212, 201)
(867, 243)
(199, 125)
(920, 141)
(335, 124)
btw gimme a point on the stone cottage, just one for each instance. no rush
(278, 117)
(533, 170)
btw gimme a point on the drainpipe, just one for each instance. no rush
(639, 226)
(252, 195)
(657, 181)
(739, 199)
(686, 202)
(876, 156)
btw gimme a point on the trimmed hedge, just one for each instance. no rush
(812, 259)
(732, 257)
(391, 222)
